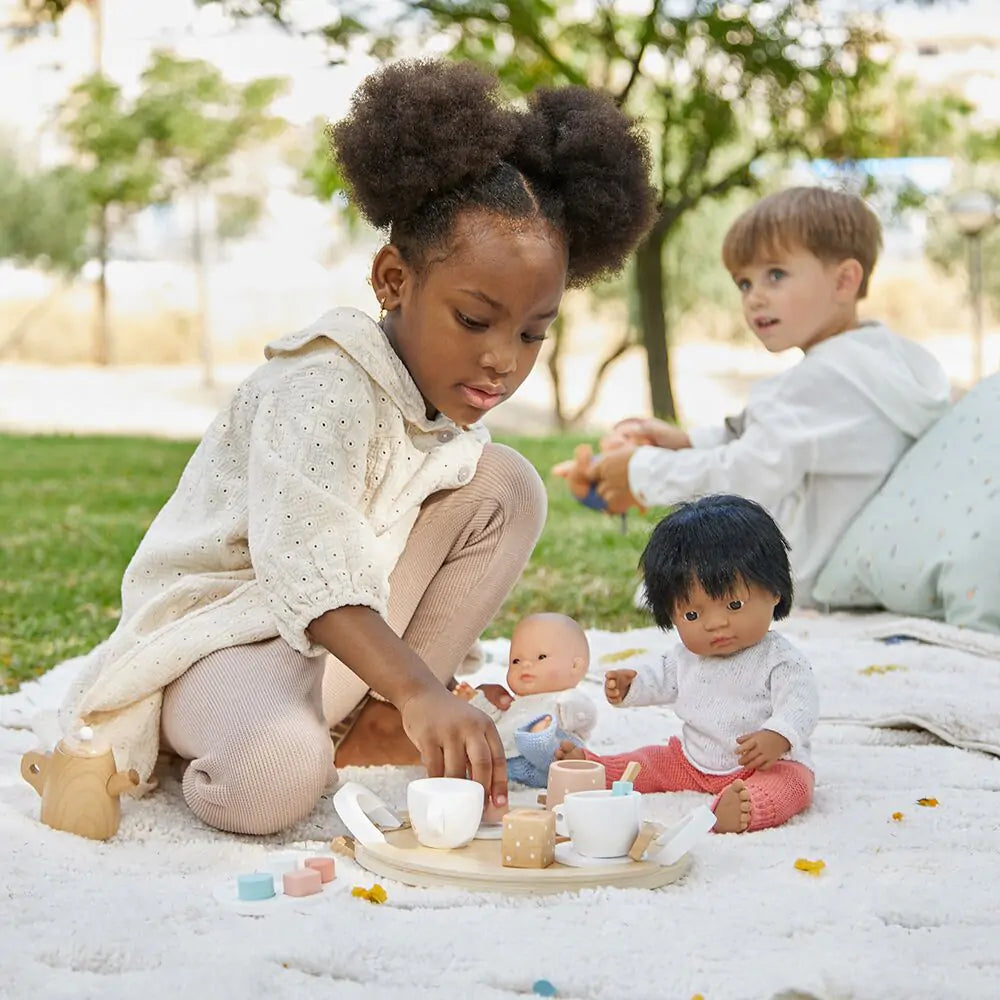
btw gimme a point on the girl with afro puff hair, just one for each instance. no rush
(346, 527)
(717, 569)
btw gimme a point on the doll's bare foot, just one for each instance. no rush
(377, 738)
(568, 750)
(732, 811)
(541, 725)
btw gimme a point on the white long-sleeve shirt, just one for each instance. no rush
(717, 698)
(813, 444)
(299, 499)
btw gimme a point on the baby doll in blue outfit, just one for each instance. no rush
(549, 656)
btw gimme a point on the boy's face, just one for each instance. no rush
(793, 299)
(710, 626)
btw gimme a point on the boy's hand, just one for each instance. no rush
(617, 684)
(761, 749)
(651, 431)
(455, 740)
(610, 473)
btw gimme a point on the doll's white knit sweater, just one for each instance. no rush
(768, 686)
(299, 499)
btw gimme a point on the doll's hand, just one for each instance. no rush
(464, 691)
(761, 749)
(611, 476)
(497, 695)
(577, 470)
(617, 684)
(455, 739)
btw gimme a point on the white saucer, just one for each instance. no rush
(489, 831)
(566, 855)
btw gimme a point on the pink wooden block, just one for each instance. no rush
(302, 882)
(324, 866)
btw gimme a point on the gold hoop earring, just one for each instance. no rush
(381, 310)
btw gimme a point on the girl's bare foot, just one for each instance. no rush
(568, 750)
(732, 811)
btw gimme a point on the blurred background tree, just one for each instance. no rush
(118, 172)
(196, 121)
(946, 247)
(726, 91)
(730, 93)
(45, 218)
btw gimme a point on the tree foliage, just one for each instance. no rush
(725, 90)
(45, 216)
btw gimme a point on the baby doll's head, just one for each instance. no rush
(717, 569)
(548, 652)
(491, 211)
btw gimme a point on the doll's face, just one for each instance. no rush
(545, 655)
(720, 627)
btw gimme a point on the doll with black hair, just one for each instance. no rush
(717, 570)
(346, 528)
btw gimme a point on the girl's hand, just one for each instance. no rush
(761, 749)
(617, 684)
(455, 740)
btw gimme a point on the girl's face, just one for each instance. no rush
(711, 626)
(470, 327)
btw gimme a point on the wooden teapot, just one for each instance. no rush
(80, 785)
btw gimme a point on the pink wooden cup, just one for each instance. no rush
(567, 776)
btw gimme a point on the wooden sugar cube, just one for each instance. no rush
(528, 838)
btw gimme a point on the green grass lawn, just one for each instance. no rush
(73, 509)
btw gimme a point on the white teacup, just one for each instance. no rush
(599, 824)
(445, 812)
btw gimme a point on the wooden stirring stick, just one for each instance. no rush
(623, 786)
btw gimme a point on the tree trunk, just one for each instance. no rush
(201, 271)
(650, 279)
(102, 331)
(558, 334)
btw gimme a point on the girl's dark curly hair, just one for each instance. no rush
(426, 139)
(719, 541)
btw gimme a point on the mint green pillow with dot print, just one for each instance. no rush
(928, 543)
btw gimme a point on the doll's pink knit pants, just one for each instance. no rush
(776, 794)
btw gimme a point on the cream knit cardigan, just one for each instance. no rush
(299, 499)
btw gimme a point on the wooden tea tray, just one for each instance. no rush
(477, 868)
(385, 847)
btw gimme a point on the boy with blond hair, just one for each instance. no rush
(815, 442)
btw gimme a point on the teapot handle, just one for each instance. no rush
(123, 781)
(33, 765)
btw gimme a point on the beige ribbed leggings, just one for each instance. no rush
(254, 720)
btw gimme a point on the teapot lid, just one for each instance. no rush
(81, 743)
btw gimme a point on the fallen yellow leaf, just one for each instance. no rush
(812, 867)
(376, 894)
(897, 816)
(621, 654)
(880, 668)
(927, 802)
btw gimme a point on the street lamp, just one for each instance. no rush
(974, 212)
